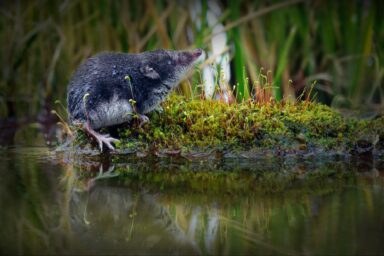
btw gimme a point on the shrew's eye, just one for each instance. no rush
(149, 72)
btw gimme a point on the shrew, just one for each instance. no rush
(108, 88)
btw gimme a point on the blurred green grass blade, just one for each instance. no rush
(365, 51)
(204, 28)
(242, 90)
(305, 56)
(328, 35)
(283, 60)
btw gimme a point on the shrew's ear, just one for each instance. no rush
(149, 72)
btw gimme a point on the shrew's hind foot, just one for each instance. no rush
(101, 138)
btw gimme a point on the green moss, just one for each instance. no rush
(202, 125)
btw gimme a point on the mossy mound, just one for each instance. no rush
(191, 127)
(201, 125)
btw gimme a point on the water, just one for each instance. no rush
(53, 204)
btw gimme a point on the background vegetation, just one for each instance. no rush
(283, 45)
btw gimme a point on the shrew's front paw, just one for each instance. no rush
(143, 119)
(159, 109)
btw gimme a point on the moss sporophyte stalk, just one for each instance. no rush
(206, 125)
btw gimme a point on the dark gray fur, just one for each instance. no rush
(102, 87)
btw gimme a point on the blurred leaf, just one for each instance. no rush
(283, 62)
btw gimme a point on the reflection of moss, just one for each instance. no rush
(296, 175)
(202, 125)
(236, 182)
(230, 176)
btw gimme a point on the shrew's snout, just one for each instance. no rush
(186, 58)
(196, 53)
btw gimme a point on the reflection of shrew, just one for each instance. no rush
(117, 220)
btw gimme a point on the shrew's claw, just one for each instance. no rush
(101, 138)
(107, 140)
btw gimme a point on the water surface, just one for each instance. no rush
(54, 205)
